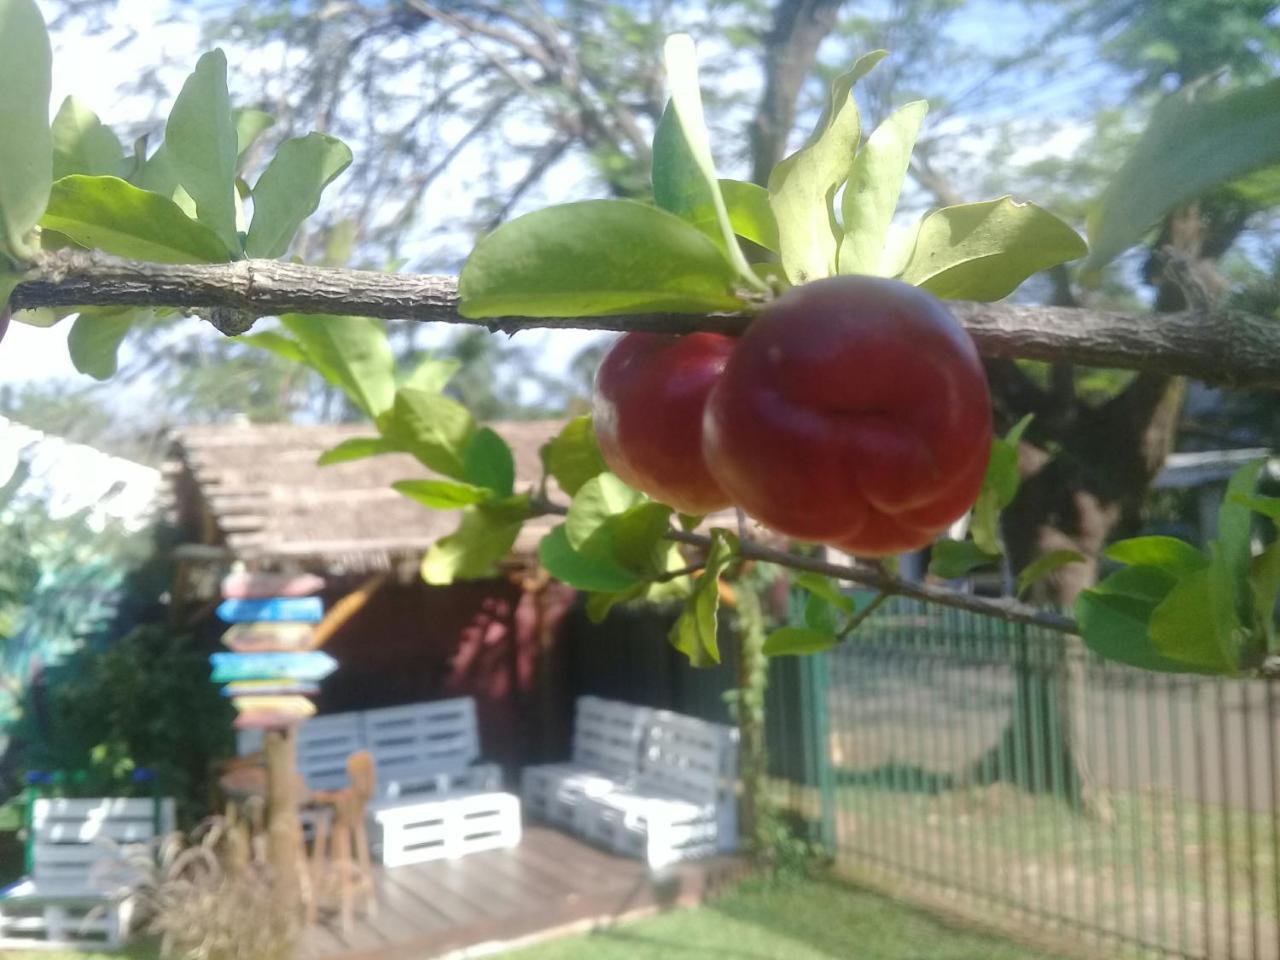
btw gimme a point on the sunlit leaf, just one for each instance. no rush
(430, 426)
(573, 457)
(824, 587)
(983, 251)
(250, 125)
(484, 537)
(356, 448)
(593, 258)
(694, 633)
(289, 190)
(571, 567)
(1196, 623)
(487, 462)
(26, 151)
(1264, 588)
(351, 353)
(599, 498)
(109, 214)
(284, 347)
(202, 145)
(1115, 615)
(871, 195)
(1044, 565)
(443, 494)
(802, 187)
(83, 144)
(797, 641)
(95, 338)
(432, 374)
(1165, 553)
(1198, 139)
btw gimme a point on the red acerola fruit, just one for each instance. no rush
(854, 412)
(650, 393)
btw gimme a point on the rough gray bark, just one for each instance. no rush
(1216, 346)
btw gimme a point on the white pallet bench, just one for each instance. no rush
(607, 735)
(446, 826)
(81, 887)
(683, 803)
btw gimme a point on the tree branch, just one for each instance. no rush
(1217, 346)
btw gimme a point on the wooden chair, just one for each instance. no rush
(340, 852)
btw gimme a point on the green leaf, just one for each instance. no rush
(109, 214)
(819, 586)
(637, 538)
(83, 144)
(686, 101)
(573, 568)
(8, 281)
(1264, 588)
(1115, 625)
(599, 499)
(487, 462)
(201, 143)
(797, 641)
(1235, 532)
(282, 346)
(802, 187)
(1146, 583)
(694, 633)
(356, 448)
(96, 336)
(484, 537)
(431, 374)
(983, 251)
(26, 150)
(289, 191)
(1164, 553)
(1195, 623)
(593, 258)
(431, 427)
(351, 353)
(599, 603)
(750, 213)
(250, 125)
(999, 487)
(819, 614)
(443, 494)
(871, 195)
(573, 457)
(1197, 140)
(950, 559)
(1045, 564)
(1267, 506)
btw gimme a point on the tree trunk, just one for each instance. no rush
(753, 679)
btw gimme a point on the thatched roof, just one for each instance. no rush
(268, 499)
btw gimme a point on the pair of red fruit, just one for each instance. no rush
(854, 412)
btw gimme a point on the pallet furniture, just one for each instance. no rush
(682, 803)
(83, 872)
(607, 737)
(447, 826)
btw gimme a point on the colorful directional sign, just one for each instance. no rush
(273, 609)
(311, 665)
(270, 688)
(267, 585)
(292, 706)
(278, 637)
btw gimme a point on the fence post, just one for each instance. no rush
(813, 699)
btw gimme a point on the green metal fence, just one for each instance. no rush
(1005, 773)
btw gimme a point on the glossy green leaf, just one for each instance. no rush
(26, 149)
(202, 145)
(1267, 506)
(1235, 532)
(1115, 626)
(1044, 565)
(443, 494)
(599, 499)
(250, 125)
(109, 214)
(1197, 140)
(819, 586)
(95, 338)
(1264, 588)
(599, 603)
(430, 426)
(797, 641)
(999, 487)
(356, 448)
(352, 353)
(484, 537)
(432, 374)
(694, 633)
(819, 614)
(802, 187)
(594, 258)
(289, 191)
(284, 347)
(571, 567)
(686, 102)
(750, 213)
(1147, 583)
(950, 559)
(1165, 553)
(487, 462)
(637, 536)
(1195, 623)
(983, 251)
(573, 457)
(83, 144)
(871, 195)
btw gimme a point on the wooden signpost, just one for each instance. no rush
(271, 669)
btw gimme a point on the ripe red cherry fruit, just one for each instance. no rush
(854, 412)
(649, 397)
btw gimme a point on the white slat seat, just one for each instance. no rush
(426, 748)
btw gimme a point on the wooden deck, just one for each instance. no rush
(473, 905)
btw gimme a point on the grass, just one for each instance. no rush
(818, 919)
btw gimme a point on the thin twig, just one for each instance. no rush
(857, 619)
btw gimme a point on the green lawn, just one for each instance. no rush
(810, 920)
